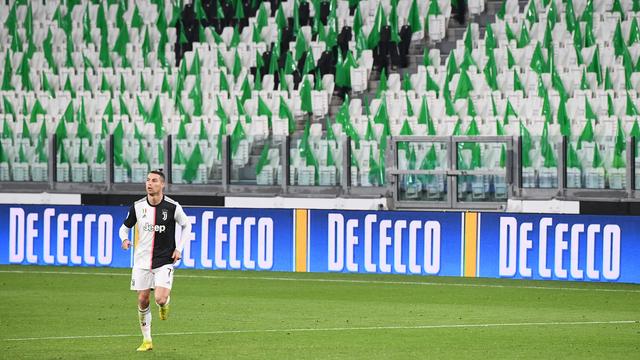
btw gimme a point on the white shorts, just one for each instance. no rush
(143, 279)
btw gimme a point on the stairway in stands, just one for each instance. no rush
(455, 32)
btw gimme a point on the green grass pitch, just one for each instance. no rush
(83, 313)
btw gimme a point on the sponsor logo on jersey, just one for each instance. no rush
(156, 228)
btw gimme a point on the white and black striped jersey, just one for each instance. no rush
(156, 226)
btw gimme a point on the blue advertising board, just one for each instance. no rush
(519, 246)
(62, 235)
(398, 242)
(88, 236)
(239, 239)
(560, 247)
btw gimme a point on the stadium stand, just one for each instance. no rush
(233, 92)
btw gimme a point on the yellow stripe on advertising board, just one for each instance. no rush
(470, 244)
(302, 217)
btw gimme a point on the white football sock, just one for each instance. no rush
(145, 322)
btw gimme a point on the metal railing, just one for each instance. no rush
(455, 177)
(463, 187)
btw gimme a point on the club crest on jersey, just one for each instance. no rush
(144, 213)
(164, 214)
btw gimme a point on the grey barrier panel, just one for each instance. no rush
(513, 175)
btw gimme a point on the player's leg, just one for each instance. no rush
(142, 283)
(163, 280)
(162, 300)
(144, 314)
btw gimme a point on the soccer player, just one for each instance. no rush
(156, 250)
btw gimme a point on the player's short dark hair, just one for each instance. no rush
(158, 172)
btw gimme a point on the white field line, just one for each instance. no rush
(348, 281)
(337, 329)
